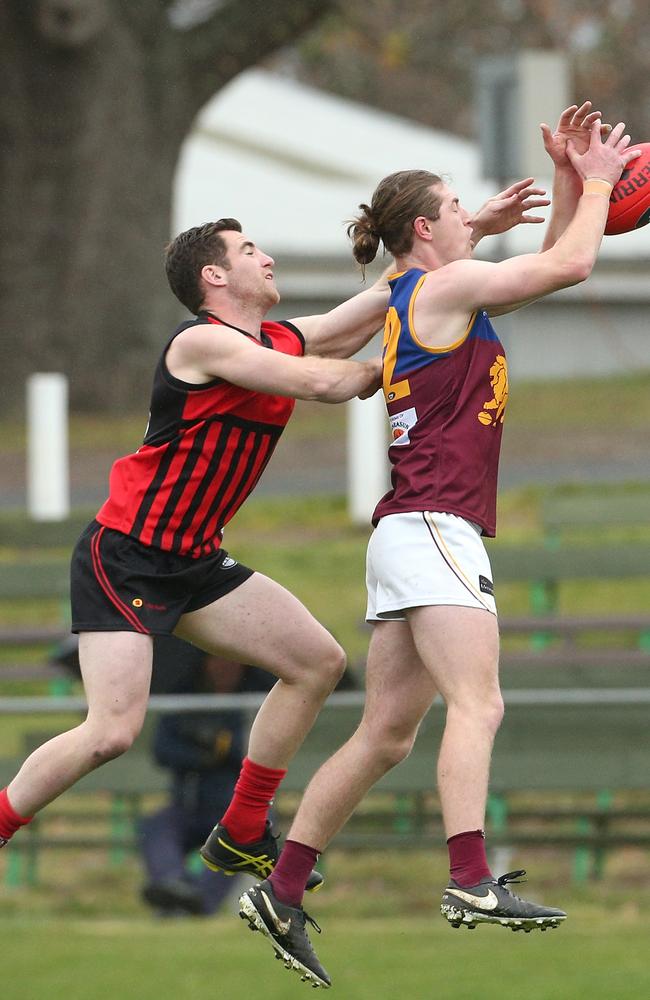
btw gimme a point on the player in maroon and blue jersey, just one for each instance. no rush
(430, 590)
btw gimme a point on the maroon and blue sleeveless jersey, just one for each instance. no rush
(204, 450)
(446, 409)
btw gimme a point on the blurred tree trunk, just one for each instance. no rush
(97, 97)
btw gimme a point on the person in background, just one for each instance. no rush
(203, 752)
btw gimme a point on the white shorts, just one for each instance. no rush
(422, 558)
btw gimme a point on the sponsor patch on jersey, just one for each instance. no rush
(401, 424)
(228, 563)
(486, 586)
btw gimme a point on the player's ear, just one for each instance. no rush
(214, 275)
(422, 227)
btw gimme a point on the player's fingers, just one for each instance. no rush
(567, 115)
(630, 154)
(535, 203)
(571, 152)
(579, 113)
(518, 186)
(533, 218)
(547, 136)
(588, 120)
(614, 135)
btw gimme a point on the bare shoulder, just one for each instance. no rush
(203, 338)
(436, 282)
(198, 352)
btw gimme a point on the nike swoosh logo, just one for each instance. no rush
(489, 902)
(282, 926)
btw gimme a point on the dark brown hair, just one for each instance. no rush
(189, 252)
(398, 200)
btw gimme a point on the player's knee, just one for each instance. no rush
(335, 664)
(396, 750)
(317, 669)
(326, 672)
(391, 745)
(484, 712)
(494, 711)
(113, 744)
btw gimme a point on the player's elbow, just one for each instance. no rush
(574, 270)
(581, 268)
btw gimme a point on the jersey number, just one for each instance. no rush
(392, 330)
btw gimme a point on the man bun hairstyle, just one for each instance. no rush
(364, 235)
(188, 254)
(398, 200)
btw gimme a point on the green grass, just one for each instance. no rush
(597, 955)
(84, 935)
(580, 403)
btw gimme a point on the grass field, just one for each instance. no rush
(597, 956)
(83, 934)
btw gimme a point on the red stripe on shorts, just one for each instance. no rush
(105, 584)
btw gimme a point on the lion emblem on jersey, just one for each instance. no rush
(494, 409)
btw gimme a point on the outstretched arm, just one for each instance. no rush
(197, 355)
(465, 285)
(347, 328)
(575, 124)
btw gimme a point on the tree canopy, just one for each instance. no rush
(98, 96)
(96, 99)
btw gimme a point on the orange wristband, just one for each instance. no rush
(596, 185)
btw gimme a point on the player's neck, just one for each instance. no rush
(422, 259)
(244, 318)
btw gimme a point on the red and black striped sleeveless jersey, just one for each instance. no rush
(446, 409)
(204, 450)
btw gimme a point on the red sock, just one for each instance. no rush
(467, 860)
(10, 821)
(289, 877)
(245, 817)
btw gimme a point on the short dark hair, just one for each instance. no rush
(398, 200)
(188, 254)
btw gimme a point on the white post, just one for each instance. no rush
(48, 492)
(367, 454)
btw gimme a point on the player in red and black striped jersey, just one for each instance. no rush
(430, 595)
(152, 562)
(205, 448)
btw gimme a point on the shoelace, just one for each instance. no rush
(515, 878)
(312, 922)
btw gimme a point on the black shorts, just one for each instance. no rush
(117, 584)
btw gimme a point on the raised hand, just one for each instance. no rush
(575, 124)
(603, 159)
(509, 208)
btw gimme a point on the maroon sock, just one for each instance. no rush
(10, 821)
(467, 860)
(289, 877)
(245, 817)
